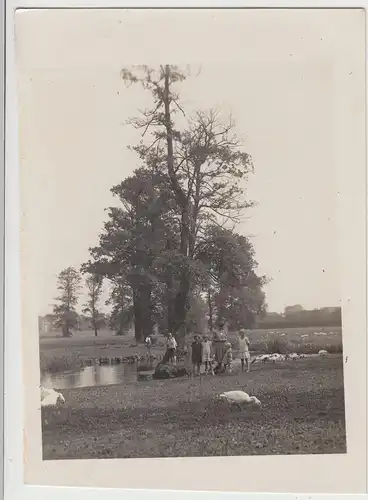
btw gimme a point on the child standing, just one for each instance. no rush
(228, 358)
(206, 354)
(171, 348)
(244, 350)
(197, 350)
(148, 343)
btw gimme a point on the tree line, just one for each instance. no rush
(170, 249)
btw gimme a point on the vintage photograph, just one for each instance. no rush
(185, 235)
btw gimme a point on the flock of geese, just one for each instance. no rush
(284, 357)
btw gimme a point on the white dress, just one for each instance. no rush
(244, 348)
(206, 352)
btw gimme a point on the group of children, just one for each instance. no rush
(216, 356)
(202, 353)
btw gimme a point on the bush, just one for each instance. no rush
(278, 346)
(144, 367)
(59, 364)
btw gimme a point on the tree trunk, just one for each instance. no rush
(210, 311)
(146, 311)
(143, 320)
(170, 315)
(137, 316)
(94, 321)
(121, 315)
(182, 297)
(169, 293)
(181, 302)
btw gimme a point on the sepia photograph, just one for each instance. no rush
(181, 234)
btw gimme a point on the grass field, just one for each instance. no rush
(302, 412)
(60, 354)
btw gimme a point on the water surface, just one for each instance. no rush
(91, 376)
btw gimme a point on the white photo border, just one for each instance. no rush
(14, 486)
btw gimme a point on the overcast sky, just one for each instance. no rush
(74, 138)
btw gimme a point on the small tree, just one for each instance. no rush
(65, 311)
(90, 309)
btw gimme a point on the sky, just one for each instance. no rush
(74, 136)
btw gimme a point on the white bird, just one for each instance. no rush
(322, 352)
(276, 357)
(49, 397)
(293, 355)
(239, 397)
(261, 357)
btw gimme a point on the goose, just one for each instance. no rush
(49, 397)
(293, 355)
(277, 357)
(261, 357)
(239, 397)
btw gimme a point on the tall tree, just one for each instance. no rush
(65, 311)
(134, 242)
(94, 288)
(204, 164)
(121, 302)
(234, 289)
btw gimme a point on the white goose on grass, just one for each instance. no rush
(49, 397)
(293, 355)
(239, 398)
(277, 357)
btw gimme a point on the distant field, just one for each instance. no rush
(69, 353)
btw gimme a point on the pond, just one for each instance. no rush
(91, 376)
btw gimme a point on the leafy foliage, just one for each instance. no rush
(203, 164)
(172, 237)
(122, 313)
(236, 289)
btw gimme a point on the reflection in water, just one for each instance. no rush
(91, 376)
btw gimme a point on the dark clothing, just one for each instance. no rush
(219, 346)
(197, 353)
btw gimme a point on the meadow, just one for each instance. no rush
(302, 405)
(60, 354)
(302, 412)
